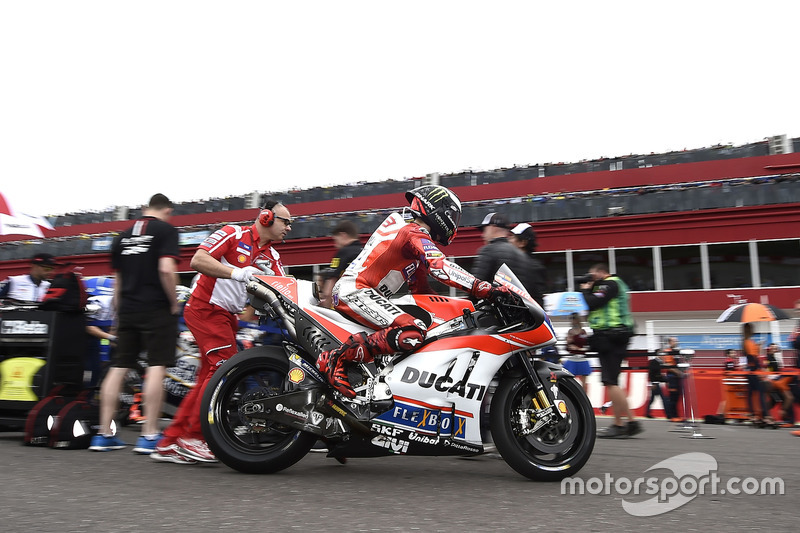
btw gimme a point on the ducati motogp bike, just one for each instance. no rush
(265, 407)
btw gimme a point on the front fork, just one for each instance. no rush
(546, 407)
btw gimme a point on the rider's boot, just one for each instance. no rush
(357, 349)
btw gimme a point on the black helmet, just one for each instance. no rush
(439, 208)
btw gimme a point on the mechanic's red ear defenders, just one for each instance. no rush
(266, 218)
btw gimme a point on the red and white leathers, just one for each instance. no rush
(211, 315)
(397, 253)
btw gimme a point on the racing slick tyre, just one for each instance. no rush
(554, 451)
(250, 445)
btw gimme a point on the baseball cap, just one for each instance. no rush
(519, 229)
(495, 219)
(46, 260)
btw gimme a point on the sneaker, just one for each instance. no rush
(169, 454)
(613, 432)
(101, 443)
(146, 446)
(634, 428)
(196, 449)
(795, 433)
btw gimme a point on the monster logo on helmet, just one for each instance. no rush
(439, 208)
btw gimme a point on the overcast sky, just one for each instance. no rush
(104, 103)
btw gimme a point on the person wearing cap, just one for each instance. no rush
(345, 239)
(498, 249)
(33, 286)
(534, 278)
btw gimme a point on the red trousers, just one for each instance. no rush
(214, 330)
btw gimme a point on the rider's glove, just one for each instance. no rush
(497, 292)
(485, 290)
(481, 289)
(245, 274)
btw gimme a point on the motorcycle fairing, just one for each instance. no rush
(388, 439)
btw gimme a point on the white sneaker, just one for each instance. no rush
(195, 449)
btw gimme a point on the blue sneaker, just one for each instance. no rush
(146, 446)
(101, 443)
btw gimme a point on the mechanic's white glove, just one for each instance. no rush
(244, 274)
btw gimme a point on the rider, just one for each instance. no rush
(398, 253)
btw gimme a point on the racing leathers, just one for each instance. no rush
(397, 253)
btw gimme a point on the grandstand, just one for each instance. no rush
(684, 228)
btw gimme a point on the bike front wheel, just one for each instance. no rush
(554, 451)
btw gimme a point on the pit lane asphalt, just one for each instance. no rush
(49, 490)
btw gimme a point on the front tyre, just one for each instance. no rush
(250, 445)
(558, 449)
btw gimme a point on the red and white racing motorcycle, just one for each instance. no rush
(265, 407)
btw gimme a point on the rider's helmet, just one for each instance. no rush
(439, 208)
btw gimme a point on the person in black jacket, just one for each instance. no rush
(655, 377)
(534, 278)
(345, 238)
(498, 250)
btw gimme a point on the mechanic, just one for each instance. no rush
(226, 261)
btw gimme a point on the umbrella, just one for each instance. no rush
(752, 312)
(565, 303)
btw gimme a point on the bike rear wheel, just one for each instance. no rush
(247, 444)
(556, 450)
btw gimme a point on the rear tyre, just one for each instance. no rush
(250, 445)
(556, 450)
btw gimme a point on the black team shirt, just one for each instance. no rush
(135, 254)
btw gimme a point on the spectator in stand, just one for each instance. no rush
(30, 287)
(752, 351)
(345, 239)
(145, 259)
(226, 261)
(498, 250)
(534, 277)
(577, 345)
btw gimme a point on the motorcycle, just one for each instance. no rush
(265, 407)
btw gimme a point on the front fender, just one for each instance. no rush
(542, 368)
